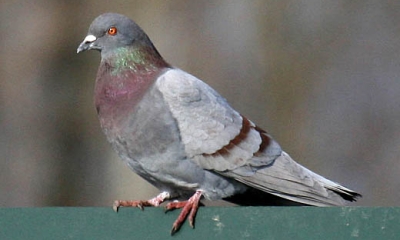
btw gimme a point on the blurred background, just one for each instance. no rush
(323, 77)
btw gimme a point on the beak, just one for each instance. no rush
(87, 44)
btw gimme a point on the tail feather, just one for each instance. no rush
(289, 180)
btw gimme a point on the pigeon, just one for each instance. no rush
(183, 137)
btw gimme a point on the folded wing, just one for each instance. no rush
(219, 139)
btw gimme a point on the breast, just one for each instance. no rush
(117, 97)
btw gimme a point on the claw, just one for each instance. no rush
(191, 221)
(116, 205)
(140, 205)
(174, 229)
(189, 209)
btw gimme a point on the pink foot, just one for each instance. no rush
(154, 202)
(189, 208)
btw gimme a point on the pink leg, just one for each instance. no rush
(189, 208)
(154, 202)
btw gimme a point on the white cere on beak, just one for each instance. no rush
(89, 39)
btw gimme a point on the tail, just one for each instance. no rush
(289, 180)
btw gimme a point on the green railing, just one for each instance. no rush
(55, 223)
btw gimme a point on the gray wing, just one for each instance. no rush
(219, 139)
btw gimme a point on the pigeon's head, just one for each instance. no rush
(111, 31)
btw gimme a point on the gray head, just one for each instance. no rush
(110, 31)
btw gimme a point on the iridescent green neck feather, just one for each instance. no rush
(137, 59)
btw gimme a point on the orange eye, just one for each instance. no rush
(112, 31)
